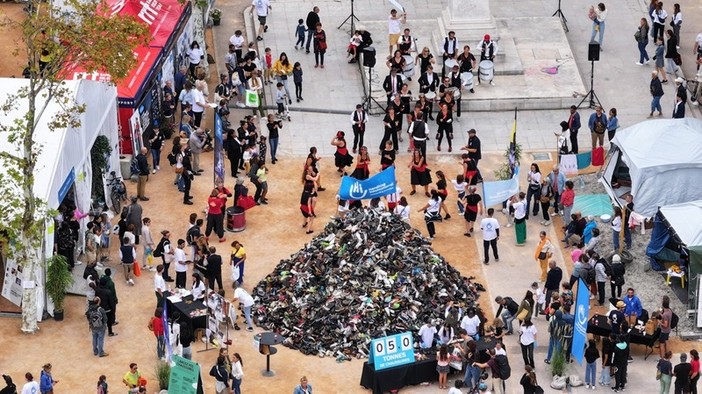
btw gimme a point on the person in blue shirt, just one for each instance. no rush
(633, 304)
(597, 125)
(558, 181)
(587, 233)
(303, 387)
(612, 124)
(46, 381)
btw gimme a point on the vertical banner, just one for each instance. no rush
(218, 150)
(582, 313)
(167, 330)
(135, 128)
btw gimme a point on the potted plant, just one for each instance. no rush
(58, 280)
(163, 374)
(216, 15)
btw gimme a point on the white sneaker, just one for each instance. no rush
(78, 262)
(560, 212)
(152, 269)
(131, 282)
(592, 297)
(505, 211)
(240, 105)
(554, 214)
(587, 386)
(153, 171)
(492, 83)
(639, 64)
(593, 386)
(547, 223)
(509, 225)
(647, 61)
(158, 168)
(542, 222)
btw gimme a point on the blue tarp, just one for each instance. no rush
(656, 247)
(593, 204)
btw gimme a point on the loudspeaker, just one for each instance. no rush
(369, 57)
(593, 51)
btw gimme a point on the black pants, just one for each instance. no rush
(165, 268)
(259, 190)
(198, 118)
(528, 354)
(421, 146)
(601, 292)
(389, 135)
(573, 141)
(431, 229)
(448, 129)
(458, 108)
(544, 209)
(298, 90)
(187, 183)
(486, 249)
(110, 320)
(620, 377)
(319, 57)
(428, 111)
(234, 164)
(658, 30)
(358, 137)
(180, 279)
(693, 384)
(616, 287)
(215, 276)
(215, 222)
(535, 194)
(68, 254)
(159, 300)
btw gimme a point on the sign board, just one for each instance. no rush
(67, 183)
(184, 376)
(12, 284)
(392, 351)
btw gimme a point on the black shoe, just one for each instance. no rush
(259, 38)
(112, 334)
(144, 198)
(169, 280)
(188, 202)
(289, 101)
(307, 51)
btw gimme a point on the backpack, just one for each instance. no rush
(674, 320)
(589, 275)
(158, 251)
(607, 266)
(172, 160)
(95, 318)
(503, 369)
(134, 166)
(190, 237)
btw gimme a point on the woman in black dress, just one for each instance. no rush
(387, 155)
(392, 122)
(311, 162)
(362, 170)
(426, 106)
(419, 173)
(528, 380)
(424, 59)
(342, 158)
(406, 98)
(472, 202)
(443, 192)
(444, 119)
(307, 207)
(397, 62)
(320, 45)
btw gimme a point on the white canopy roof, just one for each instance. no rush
(664, 157)
(686, 219)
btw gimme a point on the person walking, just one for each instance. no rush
(527, 339)
(134, 217)
(599, 14)
(528, 381)
(221, 375)
(542, 254)
(320, 45)
(127, 255)
(656, 90)
(545, 196)
(591, 356)
(262, 7)
(237, 372)
(641, 37)
(682, 374)
(491, 234)
(156, 326)
(664, 372)
(97, 323)
(395, 22)
(432, 212)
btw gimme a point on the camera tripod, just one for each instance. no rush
(564, 21)
(352, 18)
(594, 100)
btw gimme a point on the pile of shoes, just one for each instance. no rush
(367, 276)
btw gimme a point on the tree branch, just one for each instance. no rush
(15, 159)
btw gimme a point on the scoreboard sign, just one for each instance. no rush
(392, 351)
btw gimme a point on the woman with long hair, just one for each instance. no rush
(658, 19)
(676, 23)
(199, 290)
(432, 212)
(362, 170)
(283, 69)
(543, 254)
(419, 173)
(527, 339)
(195, 56)
(307, 206)
(528, 380)
(695, 372)
(444, 120)
(396, 62)
(534, 189)
(671, 53)
(642, 41)
(403, 210)
(238, 258)
(473, 207)
(442, 366)
(443, 192)
(527, 305)
(598, 23)
(237, 373)
(342, 158)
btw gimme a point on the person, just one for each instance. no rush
(359, 118)
(246, 301)
(237, 373)
(419, 173)
(195, 55)
(132, 378)
(527, 339)
(528, 380)
(534, 189)
(665, 369)
(598, 22)
(311, 24)
(450, 50)
(300, 34)
(31, 387)
(664, 322)
(47, 382)
(553, 278)
(198, 289)
(543, 253)
(304, 387)
(127, 255)
(143, 174)
(642, 40)
(520, 215)
(220, 373)
(597, 123)
(395, 21)
(444, 120)
(601, 278)
(695, 370)
(432, 212)
(392, 84)
(633, 308)
(677, 23)
(181, 264)
(405, 43)
(679, 108)
(658, 16)
(156, 326)
(262, 8)
(507, 311)
(101, 385)
(457, 386)
(216, 204)
(591, 356)
(671, 54)
(297, 79)
(682, 373)
(659, 58)
(612, 124)
(471, 323)
(97, 323)
(283, 69)
(426, 333)
(320, 45)
(616, 317)
(442, 366)
(574, 127)
(498, 384)
(148, 244)
(488, 51)
(473, 207)
(620, 360)
(605, 375)
(342, 158)
(238, 259)
(491, 234)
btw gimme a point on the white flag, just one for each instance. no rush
(398, 5)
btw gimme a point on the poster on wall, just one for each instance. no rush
(168, 69)
(135, 129)
(12, 285)
(183, 44)
(155, 103)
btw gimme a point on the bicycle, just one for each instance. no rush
(118, 192)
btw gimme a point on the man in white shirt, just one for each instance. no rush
(159, 285)
(394, 28)
(181, 265)
(242, 296)
(262, 7)
(359, 117)
(491, 233)
(470, 323)
(427, 333)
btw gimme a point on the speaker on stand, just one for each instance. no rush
(593, 55)
(369, 61)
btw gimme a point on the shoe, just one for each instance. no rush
(169, 280)
(352, 61)
(592, 297)
(152, 269)
(115, 323)
(249, 328)
(492, 83)
(664, 81)
(264, 202)
(587, 386)
(131, 282)
(647, 61)
(497, 260)
(547, 361)
(438, 148)
(309, 232)
(354, 150)
(289, 101)
(307, 51)
(542, 222)
(322, 65)
(158, 168)
(298, 99)
(413, 192)
(508, 225)
(547, 223)
(447, 216)
(450, 149)
(427, 194)
(188, 202)
(153, 171)
(301, 99)
(265, 28)
(104, 355)
(639, 64)
(144, 267)
(472, 90)
(259, 38)
(112, 334)
(240, 105)
(200, 171)
(321, 189)
(554, 214)
(296, 47)
(467, 234)
(144, 199)
(486, 262)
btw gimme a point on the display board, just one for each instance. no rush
(184, 376)
(392, 351)
(12, 285)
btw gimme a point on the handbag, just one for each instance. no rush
(677, 59)
(538, 390)
(522, 315)
(637, 36)
(137, 269)
(543, 255)
(235, 273)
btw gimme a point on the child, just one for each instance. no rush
(248, 154)
(267, 65)
(591, 356)
(460, 185)
(355, 41)
(457, 386)
(280, 99)
(300, 33)
(540, 298)
(297, 79)
(262, 179)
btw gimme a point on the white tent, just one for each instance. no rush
(664, 160)
(686, 218)
(64, 160)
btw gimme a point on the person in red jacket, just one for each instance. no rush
(216, 204)
(156, 325)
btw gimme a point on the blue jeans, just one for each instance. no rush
(554, 345)
(643, 55)
(656, 104)
(605, 378)
(461, 208)
(247, 314)
(274, 148)
(236, 385)
(310, 34)
(602, 29)
(591, 373)
(472, 376)
(508, 318)
(160, 346)
(98, 341)
(155, 158)
(615, 240)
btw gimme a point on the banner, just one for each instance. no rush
(392, 351)
(379, 185)
(135, 128)
(497, 192)
(12, 284)
(582, 313)
(185, 375)
(569, 164)
(218, 148)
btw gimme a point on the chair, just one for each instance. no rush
(674, 274)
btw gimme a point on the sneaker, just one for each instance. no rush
(554, 214)
(131, 282)
(647, 61)
(104, 355)
(639, 64)
(492, 83)
(249, 328)
(158, 168)
(152, 269)
(593, 387)
(240, 105)
(505, 211)
(509, 225)
(547, 223)
(592, 297)
(153, 171)
(587, 386)
(542, 222)
(560, 212)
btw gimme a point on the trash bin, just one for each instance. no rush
(236, 219)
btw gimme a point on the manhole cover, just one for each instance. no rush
(541, 156)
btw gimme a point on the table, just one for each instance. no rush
(185, 309)
(267, 340)
(398, 377)
(603, 328)
(483, 346)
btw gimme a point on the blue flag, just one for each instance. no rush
(379, 185)
(218, 150)
(496, 192)
(582, 315)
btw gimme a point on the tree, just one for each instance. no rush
(83, 33)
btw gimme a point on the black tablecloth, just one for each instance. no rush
(184, 309)
(602, 328)
(398, 377)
